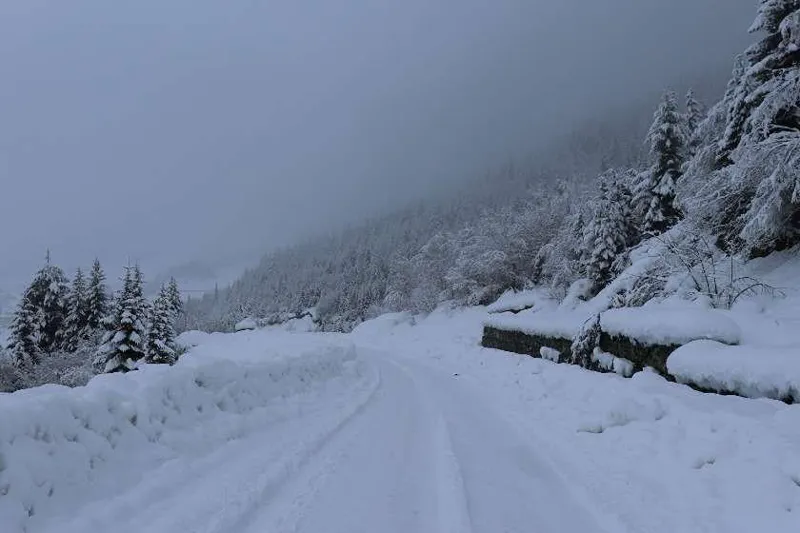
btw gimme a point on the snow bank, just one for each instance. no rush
(384, 323)
(59, 446)
(516, 301)
(658, 325)
(753, 371)
(245, 324)
(560, 324)
(305, 324)
(190, 339)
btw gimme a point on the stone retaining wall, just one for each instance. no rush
(523, 343)
(641, 355)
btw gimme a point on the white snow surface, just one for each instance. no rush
(96, 447)
(664, 325)
(405, 425)
(642, 454)
(561, 323)
(756, 372)
(517, 301)
(612, 363)
(245, 324)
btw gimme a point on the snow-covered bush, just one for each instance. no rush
(585, 342)
(684, 262)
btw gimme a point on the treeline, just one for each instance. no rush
(731, 174)
(65, 332)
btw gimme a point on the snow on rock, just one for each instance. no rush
(560, 324)
(551, 354)
(245, 325)
(516, 301)
(662, 325)
(753, 371)
(62, 447)
(612, 363)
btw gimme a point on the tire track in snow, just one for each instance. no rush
(218, 492)
(452, 501)
(392, 470)
(271, 494)
(452, 507)
(507, 485)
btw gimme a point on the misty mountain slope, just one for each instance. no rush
(258, 124)
(395, 262)
(717, 180)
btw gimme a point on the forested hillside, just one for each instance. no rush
(467, 246)
(572, 212)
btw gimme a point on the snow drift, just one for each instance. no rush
(61, 445)
(665, 325)
(756, 372)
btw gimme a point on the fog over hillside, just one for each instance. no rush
(199, 130)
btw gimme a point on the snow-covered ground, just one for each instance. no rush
(643, 453)
(405, 425)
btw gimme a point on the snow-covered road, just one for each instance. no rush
(403, 426)
(419, 453)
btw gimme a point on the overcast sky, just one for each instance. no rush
(171, 130)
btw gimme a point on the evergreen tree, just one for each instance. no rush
(174, 298)
(161, 333)
(24, 334)
(773, 220)
(97, 304)
(610, 231)
(138, 291)
(47, 295)
(695, 113)
(764, 99)
(124, 342)
(656, 195)
(585, 342)
(76, 323)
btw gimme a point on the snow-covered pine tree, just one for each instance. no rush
(694, 115)
(609, 232)
(765, 97)
(138, 290)
(751, 203)
(655, 192)
(161, 332)
(124, 342)
(174, 298)
(622, 196)
(773, 220)
(24, 334)
(48, 297)
(585, 342)
(97, 304)
(76, 324)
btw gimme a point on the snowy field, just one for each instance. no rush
(404, 425)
